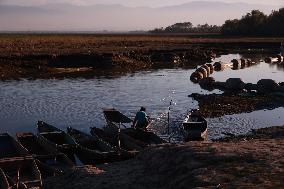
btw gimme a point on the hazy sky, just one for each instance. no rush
(150, 3)
(117, 18)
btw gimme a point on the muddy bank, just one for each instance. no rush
(48, 66)
(216, 105)
(276, 132)
(240, 164)
(59, 56)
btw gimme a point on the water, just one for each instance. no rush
(79, 102)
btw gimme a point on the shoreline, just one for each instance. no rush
(72, 56)
(217, 105)
(238, 162)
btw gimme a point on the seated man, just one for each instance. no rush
(141, 120)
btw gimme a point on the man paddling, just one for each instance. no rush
(141, 120)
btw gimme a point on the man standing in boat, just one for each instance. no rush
(141, 120)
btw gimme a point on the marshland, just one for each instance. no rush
(68, 79)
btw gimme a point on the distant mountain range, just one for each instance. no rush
(65, 17)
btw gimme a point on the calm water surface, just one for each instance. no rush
(79, 102)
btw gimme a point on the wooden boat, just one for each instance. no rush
(45, 153)
(126, 142)
(195, 127)
(95, 150)
(58, 139)
(21, 172)
(66, 142)
(10, 148)
(144, 136)
(34, 145)
(115, 119)
(89, 141)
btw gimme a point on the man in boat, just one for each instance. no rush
(141, 120)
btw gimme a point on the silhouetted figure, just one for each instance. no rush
(141, 120)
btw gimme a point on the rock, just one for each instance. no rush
(203, 71)
(219, 85)
(235, 84)
(219, 66)
(266, 85)
(207, 83)
(279, 89)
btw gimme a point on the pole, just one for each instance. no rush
(169, 118)
(119, 136)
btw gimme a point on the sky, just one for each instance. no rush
(39, 15)
(132, 3)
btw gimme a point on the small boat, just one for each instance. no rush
(34, 145)
(116, 119)
(145, 136)
(125, 142)
(45, 153)
(21, 172)
(195, 127)
(89, 141)
(65, 143)
(95, 150)
(10, 148)
(58, 139)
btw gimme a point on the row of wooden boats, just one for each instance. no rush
(24, 162)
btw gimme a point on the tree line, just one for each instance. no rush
(253, 23)
(256, 23)
(187, 27)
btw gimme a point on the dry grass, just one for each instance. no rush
(72, 44)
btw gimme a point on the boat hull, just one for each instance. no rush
(195, 128)
(22, 170)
